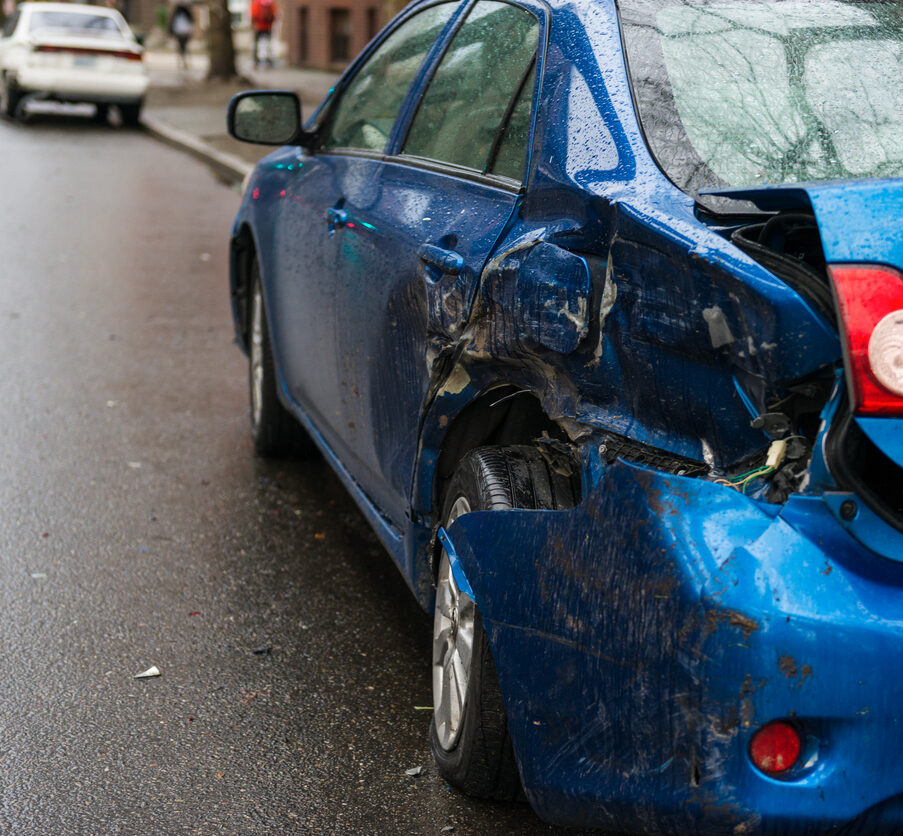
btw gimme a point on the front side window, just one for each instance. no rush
(476, 110)
(780, 91)
(364, 116)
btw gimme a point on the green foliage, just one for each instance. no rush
(161, 17)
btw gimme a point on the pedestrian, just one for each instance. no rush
(181, 27)
(263, 16)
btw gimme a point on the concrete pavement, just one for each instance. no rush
(183, 109)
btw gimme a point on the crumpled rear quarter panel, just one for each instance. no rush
(642, 637)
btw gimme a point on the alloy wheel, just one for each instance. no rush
(453, 637)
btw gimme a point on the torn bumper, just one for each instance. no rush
(644, 636)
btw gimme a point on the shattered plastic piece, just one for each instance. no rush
(134, 465)
(414, 772)
(447, 829)
(194, 613)
(423, 708)
(153, 670)
(39, 575)
(263, 650)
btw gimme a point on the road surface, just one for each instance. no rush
(138, 530)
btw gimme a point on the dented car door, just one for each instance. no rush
(418, 229)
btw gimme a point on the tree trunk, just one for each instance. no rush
(219, 41)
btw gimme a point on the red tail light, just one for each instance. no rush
(100, 53)
(870, 298)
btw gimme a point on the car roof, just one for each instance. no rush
(70, 7)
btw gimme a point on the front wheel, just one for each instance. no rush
(469, 732)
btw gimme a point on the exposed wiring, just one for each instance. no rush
(756, 474)
(773, 460)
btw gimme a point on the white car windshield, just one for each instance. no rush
(104, 26)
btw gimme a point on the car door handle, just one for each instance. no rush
(448, 261)
(336, 217)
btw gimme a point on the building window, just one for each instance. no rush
(303, 54)
(339, 35)
(372, 22)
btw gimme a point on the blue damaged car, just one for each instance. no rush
(596, 308)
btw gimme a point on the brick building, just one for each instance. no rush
(329, 33)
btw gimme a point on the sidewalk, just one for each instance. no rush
(185, 110)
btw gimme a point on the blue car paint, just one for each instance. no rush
(644, 642)
(644, 635)
(856, 218)
(457, 571)
(886, 434)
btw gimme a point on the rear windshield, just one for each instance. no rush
(753, 93)
(104, 26)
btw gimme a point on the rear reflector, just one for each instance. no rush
(775, 748)
(870, 302)
(100, 53)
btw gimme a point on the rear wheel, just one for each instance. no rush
(101, 113)
(10, 97)
(469, 732)
(130, 114)
(274, 430)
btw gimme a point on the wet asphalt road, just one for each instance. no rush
(138, 529)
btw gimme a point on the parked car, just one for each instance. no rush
(71, 53)
(596, 309)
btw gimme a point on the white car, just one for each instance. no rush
(71, 53)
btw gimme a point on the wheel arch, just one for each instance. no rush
(498, 413)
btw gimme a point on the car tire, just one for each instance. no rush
(101, 113)
(130, 114)
(275, 432)
(469, 731)
(10, 97)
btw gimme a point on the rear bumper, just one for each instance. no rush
(83, 86)
(644, 636)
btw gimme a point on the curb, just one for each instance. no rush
(231, 167)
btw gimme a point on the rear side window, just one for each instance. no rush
(476, 110)
(364, 116)
(103, 25)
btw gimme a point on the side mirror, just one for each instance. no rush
(267, 117)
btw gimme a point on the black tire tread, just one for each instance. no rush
(494, 478)
(278, 434)
(130, 114)
(13, 97)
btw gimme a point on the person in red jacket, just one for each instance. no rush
(263, 16)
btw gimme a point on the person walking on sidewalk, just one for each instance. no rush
(263, 16)
(181, 27)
